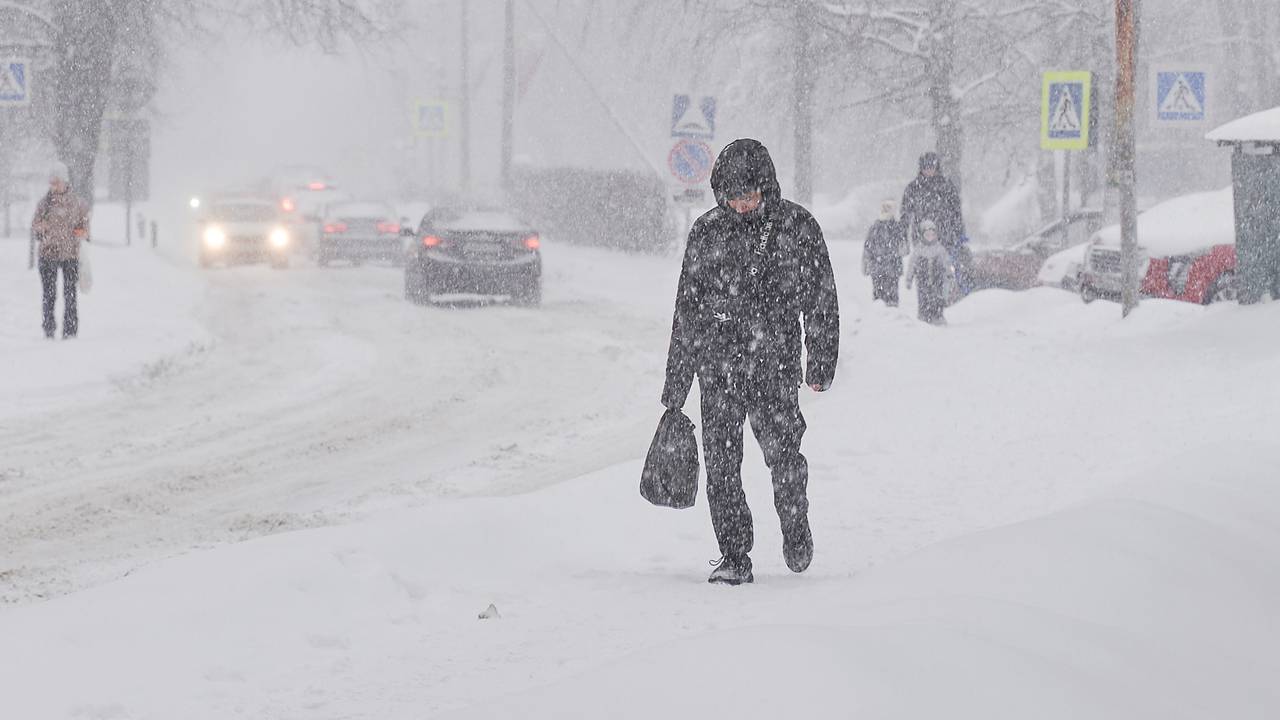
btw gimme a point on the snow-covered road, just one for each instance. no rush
(307, 394)
(490, 454)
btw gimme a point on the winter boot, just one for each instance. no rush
(732, 571)
(797, 543)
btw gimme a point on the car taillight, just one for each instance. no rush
(431, 241)
(388, 227)
(532, 242)
(337, 227)
(316, 186)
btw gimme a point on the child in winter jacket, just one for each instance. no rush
(931, 267)
(882, 254)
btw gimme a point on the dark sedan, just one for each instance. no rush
(474, 251)
(358, 231)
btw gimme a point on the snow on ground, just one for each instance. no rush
(1038, 511)
(137, 323)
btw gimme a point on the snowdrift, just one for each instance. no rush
(138, 320)
(1155, 602)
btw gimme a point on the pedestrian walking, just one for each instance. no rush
(931, 195)
(60, 224)
(755, 267)
(882, 254)
(930, 267)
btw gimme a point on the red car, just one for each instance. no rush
(1187, 248)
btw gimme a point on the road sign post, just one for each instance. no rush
(1066, 100)
(693, 121)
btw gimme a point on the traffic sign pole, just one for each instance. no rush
(1066, 195)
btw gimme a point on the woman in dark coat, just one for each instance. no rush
(882, 254)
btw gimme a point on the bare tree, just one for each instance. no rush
(99, 43)
(958, 63)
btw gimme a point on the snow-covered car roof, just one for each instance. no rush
(1185, 224)
(360, 209)
(478, 220)
(1057, 266)
(1259, 127)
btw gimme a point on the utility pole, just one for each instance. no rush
(464, 106)
(1123, 155)
(802, 103)
(508, 92)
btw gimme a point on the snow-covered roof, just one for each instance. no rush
(360, 209)
(1185, 224)
(1057, 266)
(482, 220)
(1259, 127)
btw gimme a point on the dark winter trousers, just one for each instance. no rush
(49, 282)
(778, 426)
(932, 300)
(884, 286)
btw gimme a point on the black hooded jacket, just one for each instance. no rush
(934, 198)
(731, 325)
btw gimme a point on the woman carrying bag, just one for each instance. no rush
(60, 224)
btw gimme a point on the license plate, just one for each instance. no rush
(482, 250)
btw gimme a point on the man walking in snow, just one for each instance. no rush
(61, 222)
(932, 196)
(754, 266)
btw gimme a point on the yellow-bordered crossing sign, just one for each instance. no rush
(1064, 110)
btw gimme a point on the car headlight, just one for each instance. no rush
(279, 238)
(214, 237)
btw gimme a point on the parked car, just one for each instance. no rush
(1186, 247)
(359, 231)
(244, 229)
(1062, 269)
(1018, 267)
(477, 251)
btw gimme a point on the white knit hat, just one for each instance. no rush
(58, 171)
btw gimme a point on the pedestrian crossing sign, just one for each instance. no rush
(15, 81)
(1064, 110)
(431, 118)
(1181, 96)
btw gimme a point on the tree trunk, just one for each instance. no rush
(945, 109)
(802, 102)
(1098, 41)
(1262, 44)
(84, 47)
(1229, 23)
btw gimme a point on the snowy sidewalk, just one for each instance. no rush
(136, 320)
